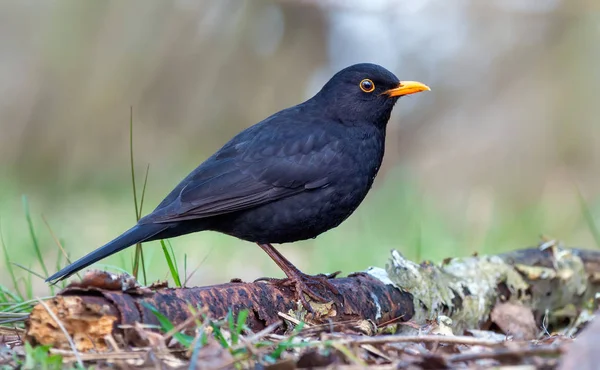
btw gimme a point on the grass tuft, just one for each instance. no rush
(34, 240)
(138, 259)
(9, 268)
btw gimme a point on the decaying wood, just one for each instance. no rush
(465, 290)
(92, 311)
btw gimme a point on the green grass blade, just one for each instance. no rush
(239, 326)
(139, 214)
(138, 256)
(30, 271)
(231, 327)
(286, 344)
(219, 335)
(138, 246)
(142, 262)
(174, 259)
(241, 320)
(166, 326)
(589, 218)
(185, 268)
(4, 299)
(29, 286)
(21, 305)
(8, 265)
(172, 268)
(34, 239)
(10, 296)
(138, 259)
(135, 200)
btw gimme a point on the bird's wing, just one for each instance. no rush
(270, 165)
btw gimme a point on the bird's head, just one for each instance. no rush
(364, 93)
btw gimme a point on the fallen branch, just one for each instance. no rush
(464, 289)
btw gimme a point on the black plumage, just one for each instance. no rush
(292, 176)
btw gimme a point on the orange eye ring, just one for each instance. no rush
(367, 85)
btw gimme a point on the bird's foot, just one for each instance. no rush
(307, 285)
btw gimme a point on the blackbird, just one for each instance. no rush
(290, 177)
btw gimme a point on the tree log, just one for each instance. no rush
(463, 289)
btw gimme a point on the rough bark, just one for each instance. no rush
(464, 289)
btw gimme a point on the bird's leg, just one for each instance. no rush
(302, 282)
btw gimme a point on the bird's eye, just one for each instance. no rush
(367, 85)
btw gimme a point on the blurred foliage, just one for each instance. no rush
(487, 161)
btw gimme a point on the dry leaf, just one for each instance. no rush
(213, 356)
(516, 320)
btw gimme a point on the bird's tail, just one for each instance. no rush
(136, 234)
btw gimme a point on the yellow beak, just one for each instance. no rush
(407, 88)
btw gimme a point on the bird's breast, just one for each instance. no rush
(358, 171)
(335, 180)
(309, 213)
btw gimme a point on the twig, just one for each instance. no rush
(113, 343)
(263, 333)
(292, 320)
(390, 322)
(61, 326)
(329, 326)
(375, 351)
(248, 345)
(423, 338)
(349, 355)
(11, 331)
(505, 352)
(110, 356)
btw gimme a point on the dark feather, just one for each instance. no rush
(266, 164)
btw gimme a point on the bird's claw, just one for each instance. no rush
(305, 284)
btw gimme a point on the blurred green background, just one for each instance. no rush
(487, 161)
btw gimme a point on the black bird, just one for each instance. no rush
(293, 176)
